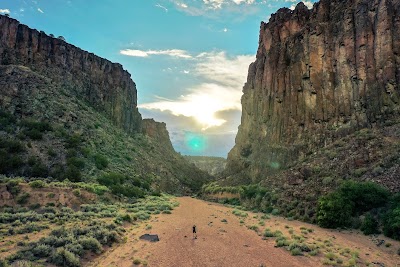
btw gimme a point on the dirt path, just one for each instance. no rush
(218, 243)
(225, 243)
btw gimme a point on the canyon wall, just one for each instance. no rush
(103, 84)
(319, 75)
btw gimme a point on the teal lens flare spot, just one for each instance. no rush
(195, 142)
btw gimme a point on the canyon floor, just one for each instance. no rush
(225, 239)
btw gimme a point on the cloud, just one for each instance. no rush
(213, 8)
(308, 4)
(218, 67)
(41, 11)
(171, 52)
(162, 7)
(220, 88)
(5, 11)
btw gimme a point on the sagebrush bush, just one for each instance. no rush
(63, 257)
(37, 184)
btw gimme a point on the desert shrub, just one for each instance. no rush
(30, 228)
(10, 160)
(127, 190)
(76, 192)
(76, 162)
(282, 241)
(75, 248)
(3, 263)
(22, 198)
(39, 170)
(37, 184)
(73, 141)
(100, 161)
(142, 215)
(6, 120)
(369, 225)
(42, 250)
(11, 146)
(13, 187)
(73, 174)
(63, 257)
(239, 213)
(296, 252)
(35, 129)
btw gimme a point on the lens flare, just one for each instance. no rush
(195, 142)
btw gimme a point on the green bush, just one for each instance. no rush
(76, 162)
(100, 161)
(369, 225)
(39, 170)
(391, 223)
(90, 243)
(42, 250)
(63, 257)
(37, 184)
(73, 141)
(351, 199)
(13, 187)
(334, 211)
(22, 198)
(6, 120)
(73, 174)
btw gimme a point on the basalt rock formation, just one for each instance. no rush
(68, 114)
(103, 84)
(319, 75)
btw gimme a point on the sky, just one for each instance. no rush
(188, 58)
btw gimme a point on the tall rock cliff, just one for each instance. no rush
(319, 75)
(73, 115)
(103, 84)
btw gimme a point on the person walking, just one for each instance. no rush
(194, 232)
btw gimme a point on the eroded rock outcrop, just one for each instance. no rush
(105, 85)
(320, 74)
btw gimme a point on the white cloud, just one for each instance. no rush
(171, 52)
(217, 67)
(181, 5)
(5, 11)
(211, 8)
(225, 30)
(308, 4)
(162, 7)
(217, 4)
(41, 11)
(220, 89)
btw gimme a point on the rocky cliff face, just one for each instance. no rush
(59, 108)
(157, 131)
(319, 75)
(103, 84)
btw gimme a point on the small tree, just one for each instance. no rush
(61, 38)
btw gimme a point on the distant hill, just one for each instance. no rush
(212, 165)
